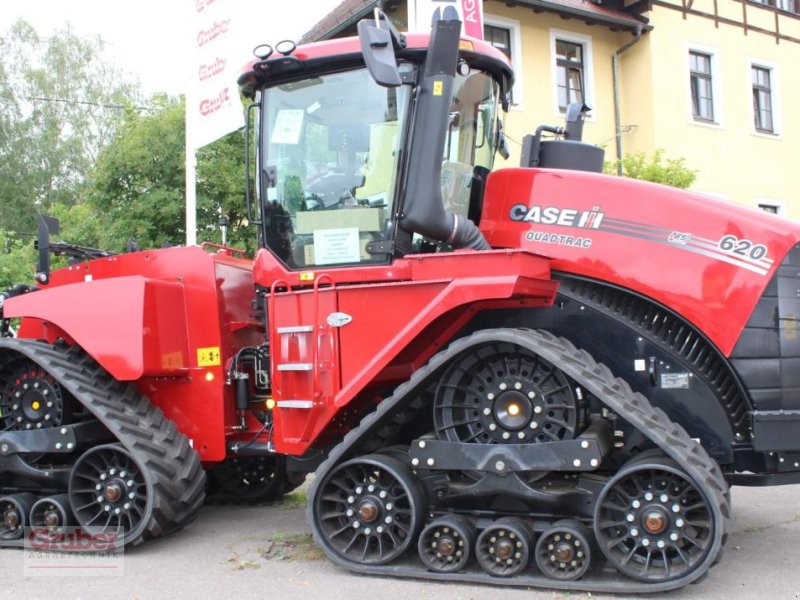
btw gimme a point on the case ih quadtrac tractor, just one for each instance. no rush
(538, 376)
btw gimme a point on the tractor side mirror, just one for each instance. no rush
(47, 225)
(378, 40)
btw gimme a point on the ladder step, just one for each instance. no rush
(296, 329)
(295, 367)
(295, 404)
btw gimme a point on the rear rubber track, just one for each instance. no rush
(165, 454)
(597, 379)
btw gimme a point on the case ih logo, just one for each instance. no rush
(554, 215)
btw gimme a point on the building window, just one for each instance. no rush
(762, 99)
(569, 69)
(500, 38)
(572, 72)
(504, 34)
(701, 82)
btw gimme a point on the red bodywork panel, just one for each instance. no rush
(165, 319)
(706, 259)
(400, 315)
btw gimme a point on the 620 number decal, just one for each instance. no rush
(744, 248)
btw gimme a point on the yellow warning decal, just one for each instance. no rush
(208, 357)
(438, 88)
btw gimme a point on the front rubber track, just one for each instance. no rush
(165, 454)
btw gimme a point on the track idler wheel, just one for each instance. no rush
(503, 549)
(30, 398)
(110, 493)
(52, 513)
(445, 545)
(369, 510)
(563, 551)
(652, 522)
(14, 511)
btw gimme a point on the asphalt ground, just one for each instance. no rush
(265, 552)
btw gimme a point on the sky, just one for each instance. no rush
(144, 36)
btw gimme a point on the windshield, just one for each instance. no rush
(330, 146)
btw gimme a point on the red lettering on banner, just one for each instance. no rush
(472, 18)
(209, 106)
(470, 11)
(204, 36)
(200, 5)
(207, 71)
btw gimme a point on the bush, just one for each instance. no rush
(671, 171)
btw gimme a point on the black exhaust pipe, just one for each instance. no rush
(423, 208)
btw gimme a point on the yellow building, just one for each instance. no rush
(713, 81)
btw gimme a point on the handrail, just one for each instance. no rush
(272, 331)
(315, 335)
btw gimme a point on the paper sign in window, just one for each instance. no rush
(288, 125)
(332, 246)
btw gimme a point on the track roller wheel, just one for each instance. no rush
(563, 551)
(445, 545)
(14, 511)
(652, 522)
(368, 510)
(52, 513)
(503, 549)
(110, 493)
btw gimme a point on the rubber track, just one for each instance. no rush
(174, 468)
(597, 379)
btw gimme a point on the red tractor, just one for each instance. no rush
(537, 376)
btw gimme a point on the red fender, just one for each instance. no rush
(132, 326)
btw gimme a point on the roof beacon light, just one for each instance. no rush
(285, 47)
(262, 51)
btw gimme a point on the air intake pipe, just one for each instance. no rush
(423, 209)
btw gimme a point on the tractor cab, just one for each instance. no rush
(362, 157)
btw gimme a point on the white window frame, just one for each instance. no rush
(716, 86)
(589, 97)
(516, 55)
(778, 204)
(775, 87)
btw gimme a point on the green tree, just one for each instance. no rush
(655, 168)
(138, 184)
(59, 104)
(220, 192)
(17, 259)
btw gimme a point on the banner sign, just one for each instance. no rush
(470, 12)
(213, 108)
